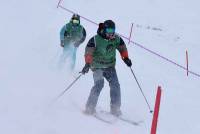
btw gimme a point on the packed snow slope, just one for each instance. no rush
(30, 79)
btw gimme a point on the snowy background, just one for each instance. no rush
(29, 78)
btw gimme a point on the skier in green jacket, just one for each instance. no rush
(100, 57)
(71, 36)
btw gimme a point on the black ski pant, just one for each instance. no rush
(111, 76)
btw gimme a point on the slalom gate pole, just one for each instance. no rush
(151, 111)
(156, 111)
(62, 93)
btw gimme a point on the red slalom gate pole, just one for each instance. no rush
(187, 61)
(156, 111)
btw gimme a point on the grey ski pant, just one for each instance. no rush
(111, 76)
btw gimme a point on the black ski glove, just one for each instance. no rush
(85, 68)
(128, 62)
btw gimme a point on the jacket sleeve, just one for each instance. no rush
(62, 32)
(83, 37)
(89, 51)
(122, 49)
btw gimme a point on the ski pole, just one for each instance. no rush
(141, 90)
(62, 93)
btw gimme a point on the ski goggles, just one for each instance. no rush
(110, 30)
(74, 21)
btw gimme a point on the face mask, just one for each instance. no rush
(75, 21)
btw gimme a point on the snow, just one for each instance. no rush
(29, 79)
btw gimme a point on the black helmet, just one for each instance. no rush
(109, 27)
(75, 19)
(109, 24)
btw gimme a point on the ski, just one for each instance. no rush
(135, 123)
(103, 119)
(108, 118)
(123, 118)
